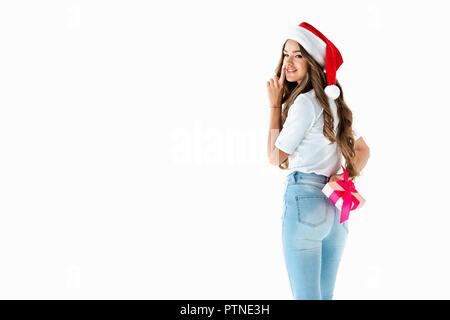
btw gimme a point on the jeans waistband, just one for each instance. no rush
(297, 176)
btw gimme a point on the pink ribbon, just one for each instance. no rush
(347, 197)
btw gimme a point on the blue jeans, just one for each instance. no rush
(313, 239)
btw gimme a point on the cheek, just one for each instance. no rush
(304, 68)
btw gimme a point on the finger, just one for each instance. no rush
(276, 81)
(283, 74)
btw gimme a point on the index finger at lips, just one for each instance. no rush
(283, 73)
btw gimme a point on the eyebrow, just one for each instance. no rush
(294, 51)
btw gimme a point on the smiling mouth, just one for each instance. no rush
(291, 72)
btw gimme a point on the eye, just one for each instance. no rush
(296, 55)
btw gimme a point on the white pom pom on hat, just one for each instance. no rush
(332, 91)
(322, 50)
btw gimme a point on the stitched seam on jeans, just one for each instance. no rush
(312, 197)
(299, 211)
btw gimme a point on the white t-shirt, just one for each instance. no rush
(302, 138)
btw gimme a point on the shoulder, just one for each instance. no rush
(305, 104)
(307, 99)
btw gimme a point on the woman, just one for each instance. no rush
(308, 106)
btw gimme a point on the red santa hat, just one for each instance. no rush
(322, 50)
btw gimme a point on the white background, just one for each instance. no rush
(133, 148)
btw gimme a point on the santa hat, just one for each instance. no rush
(322, 50)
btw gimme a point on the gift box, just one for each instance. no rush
(344, 195)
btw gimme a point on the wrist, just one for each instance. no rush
(275, 112)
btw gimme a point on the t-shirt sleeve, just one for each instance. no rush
(299, 120)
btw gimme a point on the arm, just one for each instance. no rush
(275, 155)
(362, 154)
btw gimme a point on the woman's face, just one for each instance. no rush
(293, 60)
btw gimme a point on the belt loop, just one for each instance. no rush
(291, 179)
(294, 177)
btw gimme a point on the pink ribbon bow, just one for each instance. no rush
(347, 197)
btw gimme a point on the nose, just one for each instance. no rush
(288, 61)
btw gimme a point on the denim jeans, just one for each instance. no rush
(313, 238)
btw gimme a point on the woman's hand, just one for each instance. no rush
(275, 87)
(335, 177)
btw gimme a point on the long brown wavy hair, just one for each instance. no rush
(316, 79)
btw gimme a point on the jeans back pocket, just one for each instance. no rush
(311, 210)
